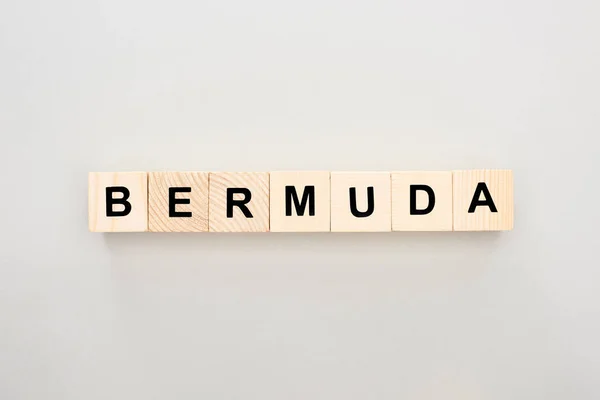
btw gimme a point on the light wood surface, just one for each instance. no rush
(136, 220)
(158, 201)
(257, 183)
(342, 220)
(500, 185)
(320, 221)
(455, 194)
(440, 217)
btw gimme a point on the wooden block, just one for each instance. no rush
(483, 200)
(178, 201)
(422, 201)
(118, 201)
(361, 202)
(239, 202)
(300, 201)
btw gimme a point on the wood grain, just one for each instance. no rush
(257, 183)
(500, 185)
(342, 220)
(136, 220)
(439, 219)
(280, 222)
(149, 200)
(158, 201)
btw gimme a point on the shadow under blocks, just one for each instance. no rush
(301, 201)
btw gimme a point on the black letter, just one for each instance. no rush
(173, 201)
(110, 201)
(413, 199)
(370, 203)
(239, 203)
(308, 196)
(482, 188)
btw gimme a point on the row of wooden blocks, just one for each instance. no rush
(470, 200)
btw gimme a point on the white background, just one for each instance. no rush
(323, 85)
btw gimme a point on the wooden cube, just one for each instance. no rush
(178, 201)
(118, 201)
(300, 201)
(483, 200)
(361, 202)
(422, 201)
(238, 202)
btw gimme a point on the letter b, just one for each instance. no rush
(111, 201)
